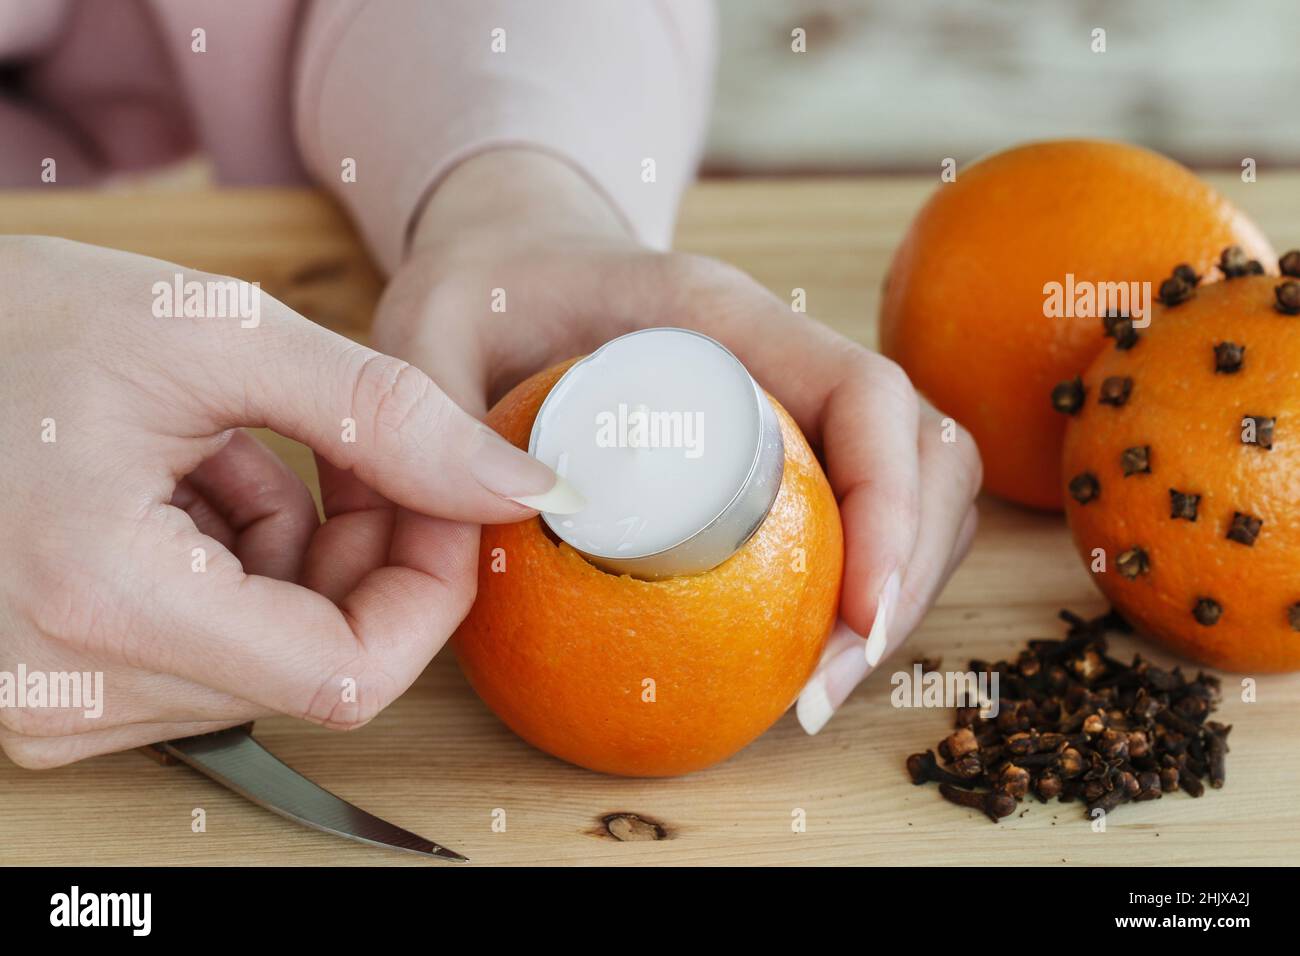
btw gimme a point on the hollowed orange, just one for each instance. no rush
(652, 678)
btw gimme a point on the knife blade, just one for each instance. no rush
(235, 760)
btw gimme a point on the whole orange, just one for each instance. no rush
(1183, 466)
(963, 307)
(652, 678)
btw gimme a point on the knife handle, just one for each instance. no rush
(156, 753)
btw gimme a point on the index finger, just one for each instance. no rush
(284, 646)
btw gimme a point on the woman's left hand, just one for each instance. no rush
(518, 264)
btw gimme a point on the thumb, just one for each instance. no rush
(379, 417)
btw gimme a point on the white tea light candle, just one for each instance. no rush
(673, 445)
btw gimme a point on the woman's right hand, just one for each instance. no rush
(145, 537)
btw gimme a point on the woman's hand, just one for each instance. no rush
(145, 537)
(516, 264)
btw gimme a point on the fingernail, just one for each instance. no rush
(878, 639)
(829, 688)
(835, 679)
(504, 470)
(562, 499)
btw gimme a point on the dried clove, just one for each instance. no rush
(1149, 786)
(1216, 746)
(1262, 427)
(994, 803)
(924, 768)
(1207, 611)
(1085, 487)
(1188, 780)
(1228, 358)
(958, 744)
(1289, 264)
(1136, 460)
(1116, 390)
(1108, 800)
(1288, 297)
(1074, 723)
(1168, 779)
(1234, 264)
(1071, 762)
(1067, 397)
(970, 766)
(1175, 290)
(1139, 745)
(1183, 505)
(1132, 563)
(1113, 744)
(1244, 528)
(1119, 327)
(1048, 786)
(1014, 780)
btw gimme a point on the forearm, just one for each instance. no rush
(413, 92)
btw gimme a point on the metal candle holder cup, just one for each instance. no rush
(735, 521)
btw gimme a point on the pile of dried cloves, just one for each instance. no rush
(1076, 724)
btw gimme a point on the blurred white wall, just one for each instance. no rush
(900, 84)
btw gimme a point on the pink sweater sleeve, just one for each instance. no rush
(407, 89)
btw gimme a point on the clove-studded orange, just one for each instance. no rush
(652, 678)
(965, 309)
(1182, 467)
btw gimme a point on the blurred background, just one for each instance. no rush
(897, 85)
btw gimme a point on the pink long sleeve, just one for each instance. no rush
(409, 88)
(405, 88)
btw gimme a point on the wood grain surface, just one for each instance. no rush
(439, 763)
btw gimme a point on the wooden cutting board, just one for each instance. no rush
(439, 763)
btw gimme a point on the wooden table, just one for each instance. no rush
(439, 763)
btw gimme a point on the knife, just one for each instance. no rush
(235, 760)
